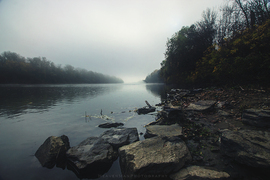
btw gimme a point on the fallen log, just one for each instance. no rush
(146, 110)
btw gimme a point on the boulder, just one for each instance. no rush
(153, 156)
(163, 130)
(53, 151)
(110, 125)
(91, 158)
(172, 112)
(199, 173)
(120, 136)
(256, 117)
(248, 147)
(201, 106)
(95, 155)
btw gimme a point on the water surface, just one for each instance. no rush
(31, 113)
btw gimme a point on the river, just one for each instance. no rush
(31, 113)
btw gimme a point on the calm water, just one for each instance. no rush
(31, 113)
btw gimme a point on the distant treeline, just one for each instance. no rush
(154, 77)
(228, 46)
(17, 69)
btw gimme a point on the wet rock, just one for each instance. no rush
(146, 110)
(154, 156)
(120, 136)
(199, 173)
(163, 130)
(92, 157)
(201, 106)
(256, 117)
(110, 125)
(53, 151)
(248, 147)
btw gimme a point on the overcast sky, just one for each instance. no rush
(124, 38)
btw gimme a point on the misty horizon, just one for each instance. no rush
(126, 39)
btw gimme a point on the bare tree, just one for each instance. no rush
(259, 10)
(238, 15)
(229, 22)
(243, 5)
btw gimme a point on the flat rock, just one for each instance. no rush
(199, 173)
(204, 105)
(110, 125)
(153, 156)
(248, 147)
(224, 113)
(92, 157)
(163, 130)
(52, 151)
(120, 136)
(256, 117)
(178, 93)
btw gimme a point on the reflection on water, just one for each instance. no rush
(20, 99)
(158, 90)
(29, 114)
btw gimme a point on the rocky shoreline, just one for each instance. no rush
(199, 134)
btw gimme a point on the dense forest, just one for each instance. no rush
(229, 46)
(17, 69)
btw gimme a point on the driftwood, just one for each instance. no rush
(146, 110)
(148, 104)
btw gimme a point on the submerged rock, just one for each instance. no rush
(120, 136)
(163, 130)
(110, 125)
(199, 173)
(153, 156)
(92, 157)
(256, 117)
(204, 105)
(53, 151)
(248, 147)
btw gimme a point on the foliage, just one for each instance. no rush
(17, 69)
(186, 47)
(245, 59)
(225, 47)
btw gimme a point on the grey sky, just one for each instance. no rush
(125, 38)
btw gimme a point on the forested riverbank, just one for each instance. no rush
(228, 46)
(16, 69)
